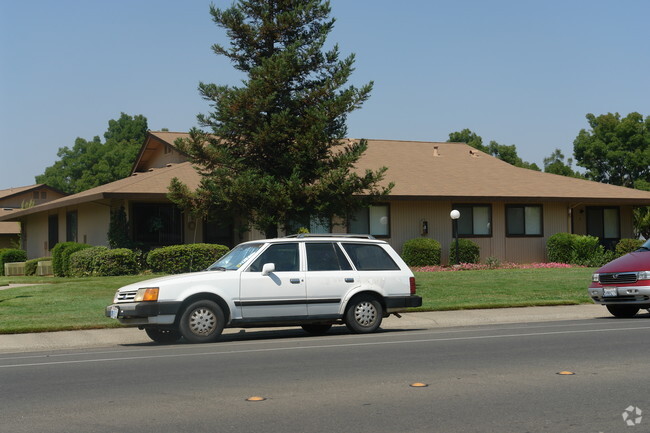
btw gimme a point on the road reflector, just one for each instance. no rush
(419, 385)
(255, 398)
(566, 373)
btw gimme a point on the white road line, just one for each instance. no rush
(324, 346)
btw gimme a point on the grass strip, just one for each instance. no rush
(58, 304)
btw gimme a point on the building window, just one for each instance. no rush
(475, 220)
(313, 224)
(52, 231)
(71, 223)
(524, 220)
(604, 223)
(156, 224)
(373, 220)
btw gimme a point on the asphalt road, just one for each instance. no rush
(498, 378)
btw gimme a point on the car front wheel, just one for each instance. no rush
(202, 322)
(623, 311)
(163, 335)
(363, 315)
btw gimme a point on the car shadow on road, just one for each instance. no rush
(256, 334)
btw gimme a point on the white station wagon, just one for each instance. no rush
(313, 281)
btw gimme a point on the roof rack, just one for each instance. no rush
(329, 235)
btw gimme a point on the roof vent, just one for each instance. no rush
(436, 153)
(169, 164)
(473, 154)
(151, 169)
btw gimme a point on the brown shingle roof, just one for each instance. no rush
(460, 171)
(150, 184)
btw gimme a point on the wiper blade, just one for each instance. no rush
(218, 268)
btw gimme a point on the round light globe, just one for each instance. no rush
(454, 214)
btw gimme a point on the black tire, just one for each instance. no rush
(623, 311)
(363, 314)
(163, 335)
(202, 322)
(317, 329)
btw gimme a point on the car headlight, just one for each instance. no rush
(644, 275)
(148, 294)
(595, 278)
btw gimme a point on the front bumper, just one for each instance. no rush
(143, 313)
(615, 295)
(396, 304)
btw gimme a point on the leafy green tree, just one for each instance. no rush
(615, 150)
(501, 151)
(468, 137)
(555, 164)
(275, 150)
(92, 163)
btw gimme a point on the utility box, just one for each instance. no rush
(44, 268)
(14, 269)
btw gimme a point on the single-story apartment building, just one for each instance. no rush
(509, 212)
(13, 199)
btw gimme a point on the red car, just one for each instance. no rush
(623, 285)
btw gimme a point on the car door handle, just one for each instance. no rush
(349, 280)
(294, 280)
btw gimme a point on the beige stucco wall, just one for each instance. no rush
(407, 218)
(92, 219)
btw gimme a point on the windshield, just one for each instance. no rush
(646, 246)
(235, 258)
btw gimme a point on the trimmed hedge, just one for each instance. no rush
(577, 250)
(102, 262)
(176, 259)
(468, 251)
(61, 256)
(421, 252)
(32, 265)
(11, 255)
(559, 248)
(625, 246)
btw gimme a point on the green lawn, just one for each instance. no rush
(503, 288)
(78, 303)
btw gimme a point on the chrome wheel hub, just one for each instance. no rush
(365, 314)
(202, 321)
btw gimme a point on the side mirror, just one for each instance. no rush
(268, 268)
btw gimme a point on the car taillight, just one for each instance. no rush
(412, 283)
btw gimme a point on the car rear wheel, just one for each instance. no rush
(163, 335)
(363, 315)
(623, 311)
(317, 329)
(202, 322)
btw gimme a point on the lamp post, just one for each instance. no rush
(455, 214)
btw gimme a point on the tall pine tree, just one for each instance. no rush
(275, 151)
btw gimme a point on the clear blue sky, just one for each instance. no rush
(519, 72)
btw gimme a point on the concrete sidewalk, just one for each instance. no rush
(10, 343)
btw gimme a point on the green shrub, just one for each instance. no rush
(11, 255)
(560, 248)
(625, 246)
(120, 261)
(82, 263)
(61, 256)
(102, 262)
(32, 265)
(177, 259)
(468, 252)
(421, 252)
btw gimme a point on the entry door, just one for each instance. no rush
(279, 294)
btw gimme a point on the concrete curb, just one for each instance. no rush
(96, 338)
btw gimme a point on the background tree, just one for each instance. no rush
(92, 163)
(503, 152)
(615, 150)
(275, 149)
(555, 164)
